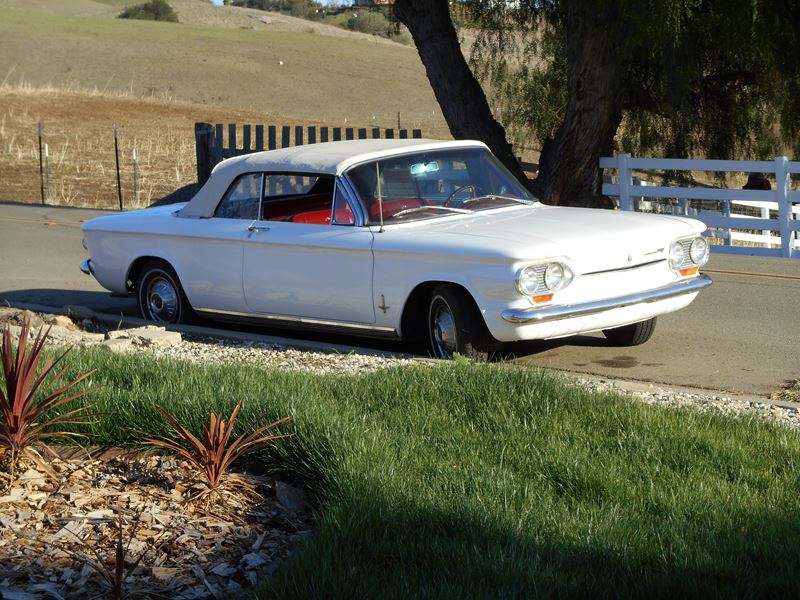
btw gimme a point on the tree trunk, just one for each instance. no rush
(459, 94)
(569, 170)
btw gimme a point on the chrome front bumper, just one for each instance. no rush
(556, 313)
(86, 267)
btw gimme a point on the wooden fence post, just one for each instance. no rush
(116, 157)
(218, 133)
(204, 150)
(41, 163)
(246, 133)
(259, 138)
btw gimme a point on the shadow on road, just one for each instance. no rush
(512, 350)
(104, 303)
(58, 298)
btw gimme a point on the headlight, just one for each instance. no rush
(699, 251)
(538, 280)
(557, 276)
(528, 280)
(676, 255)
(553, 276)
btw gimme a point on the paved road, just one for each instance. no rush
(741, 335)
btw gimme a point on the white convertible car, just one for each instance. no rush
(419, 240)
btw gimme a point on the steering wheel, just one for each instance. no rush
(476, 191)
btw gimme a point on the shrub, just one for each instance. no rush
(215, 453)
(27, 396)
(368, 21)
(154, 10)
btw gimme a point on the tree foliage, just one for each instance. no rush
(154, 10)
(718, 78)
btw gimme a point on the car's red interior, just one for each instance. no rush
(311, 208)
(316, 209)
(393, 205)
(344, 216)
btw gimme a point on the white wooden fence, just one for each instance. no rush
(721, 223)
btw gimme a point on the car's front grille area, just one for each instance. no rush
(541, 288)
(686, 245)
(627, 267)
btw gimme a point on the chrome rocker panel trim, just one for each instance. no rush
(555, 313)
(352, 328)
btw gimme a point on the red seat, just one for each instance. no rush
(393, 205)
(344, 216)
(317, 217)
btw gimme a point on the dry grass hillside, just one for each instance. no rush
(78, 129)
(294, 73)
(74, 66)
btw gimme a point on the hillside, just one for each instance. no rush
(77, 69)
(282, 67)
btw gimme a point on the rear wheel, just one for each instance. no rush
(631, 335)
(456, 325)
(159, 294)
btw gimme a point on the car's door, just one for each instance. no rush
(305, 257)
(211, 258)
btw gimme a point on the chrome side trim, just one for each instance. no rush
(623, 269)
(555, 313)
(298, 320)
(86, 267)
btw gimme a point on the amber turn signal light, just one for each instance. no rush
(543, 298)
(689, 271)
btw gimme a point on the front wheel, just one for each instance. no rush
(159, 295)
(456, 325)
(631, 335)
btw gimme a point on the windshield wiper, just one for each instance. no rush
(408, 211)
(497, 197)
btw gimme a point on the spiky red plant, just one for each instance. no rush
(215, 453)
(28, 395)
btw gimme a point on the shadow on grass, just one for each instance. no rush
(414, 551)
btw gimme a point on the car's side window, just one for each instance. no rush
(298, 198)
(242, 199)
(342, 213)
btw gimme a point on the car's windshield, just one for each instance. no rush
(439, 183)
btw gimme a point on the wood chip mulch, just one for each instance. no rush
(60, 530)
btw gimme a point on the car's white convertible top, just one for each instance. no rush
(329, 158)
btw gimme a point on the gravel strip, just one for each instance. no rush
(214, 351)
(705, 402)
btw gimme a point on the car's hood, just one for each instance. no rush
(595, 239)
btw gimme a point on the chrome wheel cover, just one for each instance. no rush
(161, 300)
(442, 329)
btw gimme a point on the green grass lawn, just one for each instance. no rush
(487, 481)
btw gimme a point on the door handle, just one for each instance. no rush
(255, 228)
